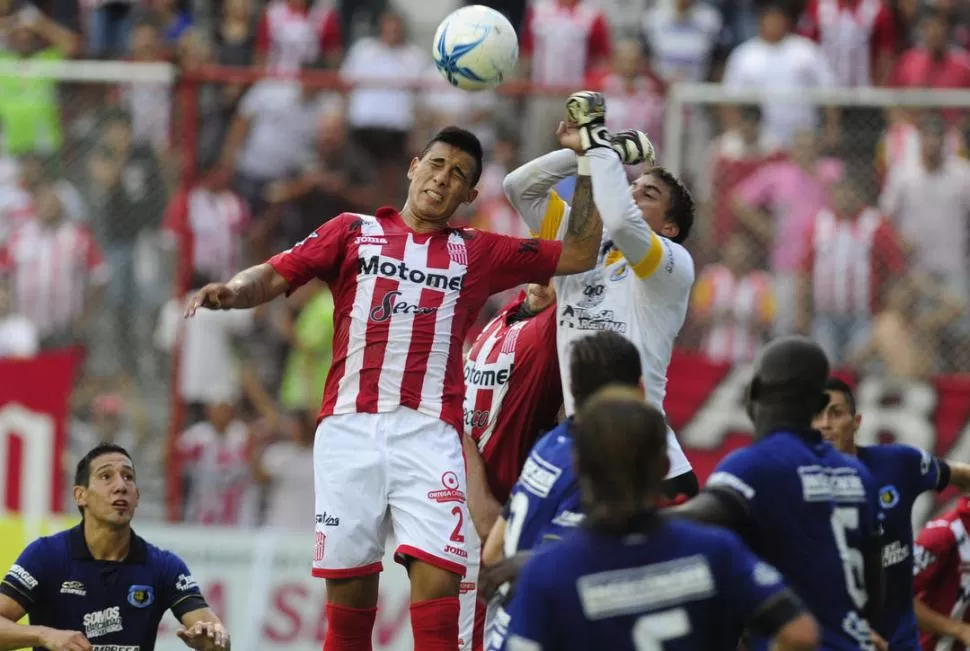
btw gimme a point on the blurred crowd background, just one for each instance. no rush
(119, 196)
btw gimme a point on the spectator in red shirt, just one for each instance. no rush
(934, 64)
(857, 36)
(293, 33)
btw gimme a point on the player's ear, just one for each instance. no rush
(857, 421)
(413, 166)
(472, 195)
(80, 495)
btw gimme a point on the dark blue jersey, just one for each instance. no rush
(117, 605)
(545, 500)
(812, 512)
(901, 473)
(678, 586)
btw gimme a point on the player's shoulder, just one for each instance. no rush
(165, 562)
(706, 536)
(676, 264)
(549, 461)
(51, 547)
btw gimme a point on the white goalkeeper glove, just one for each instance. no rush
(586, 111)
(634, 147)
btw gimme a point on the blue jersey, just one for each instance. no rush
(545, 500)
(811, 512)
(117, 605)
(901, 473)
(678, 586)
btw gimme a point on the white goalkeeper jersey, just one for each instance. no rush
(640, 287)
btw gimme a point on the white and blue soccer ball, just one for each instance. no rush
(475, 48)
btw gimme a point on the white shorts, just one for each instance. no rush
(399, 472)
(474, 613)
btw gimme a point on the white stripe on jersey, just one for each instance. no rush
(348, 388)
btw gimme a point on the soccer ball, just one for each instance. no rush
(475, 47)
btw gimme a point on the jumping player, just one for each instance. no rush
(98, 585)
(387, 451)
(545, 501)
(512, 395)
(902, 473)
(640, 287)
(802, 506)
(631, 578)
(942, 570)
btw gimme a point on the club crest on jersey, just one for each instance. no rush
(457, 251)
(451, 492)
(620, 272)
(141, 596)
(888, 496)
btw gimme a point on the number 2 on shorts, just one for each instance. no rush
(456, 535)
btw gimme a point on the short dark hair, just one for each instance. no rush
(599, 360)
(681, 208)
(841, 386)
(464, 140)
(620, 443)
(82, 474)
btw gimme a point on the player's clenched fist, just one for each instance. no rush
(586, 111)
(205, 636)
(57, 640)
(215, 296)
(634, 147)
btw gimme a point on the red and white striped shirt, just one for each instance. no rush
(291, 36)
(403, 303)
(219, 471)
(512, 391)
(852, 34)
(741, 310)
(850, 261)
(51, 269)
(210, 228)
(941, 572)
(564, 41)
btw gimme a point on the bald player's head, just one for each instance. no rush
(788, 387)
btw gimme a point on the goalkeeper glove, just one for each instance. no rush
(586, 110)
(634, 147)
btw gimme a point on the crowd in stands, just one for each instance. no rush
(846, 224)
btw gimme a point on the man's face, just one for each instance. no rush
(934, 32)
(111, 495)
(539, 297)
(441, 182)
(837, 423)
(144, 43)
(47, 204)
(652, 197)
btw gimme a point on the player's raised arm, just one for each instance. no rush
(317, 256)
(529, 188)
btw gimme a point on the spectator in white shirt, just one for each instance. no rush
(18, 335)
(285, 468)
(777, 59)
(381, 119)
(929, 199)
(681, 37)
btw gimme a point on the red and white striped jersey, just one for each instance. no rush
(564, 41)
(852, 33)
(740, 310)
(51, 270)
(218, 469)
(850, 260)
(403, 303)
(210, 227)
(291, 37)
(16, 209)
(941, 569)
(512, 391)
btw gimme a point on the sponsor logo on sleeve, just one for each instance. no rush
(765, 574)
(22, 576)
(186, 582)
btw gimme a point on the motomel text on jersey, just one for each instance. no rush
(437, 279)
(487, 377)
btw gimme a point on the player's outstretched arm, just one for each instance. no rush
(931, 621)
(529, 190)
(718, 508)
(584, 232)
(249, 288)
(483, 508)
(203, 630)
(21, 636)
(959, 475)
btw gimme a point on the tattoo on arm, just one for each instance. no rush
(255, 286)
(583, 218)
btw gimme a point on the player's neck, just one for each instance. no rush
(107, 543)
(416, 223)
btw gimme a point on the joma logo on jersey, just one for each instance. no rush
(374, 266)
(487, 378)
(102, 622)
